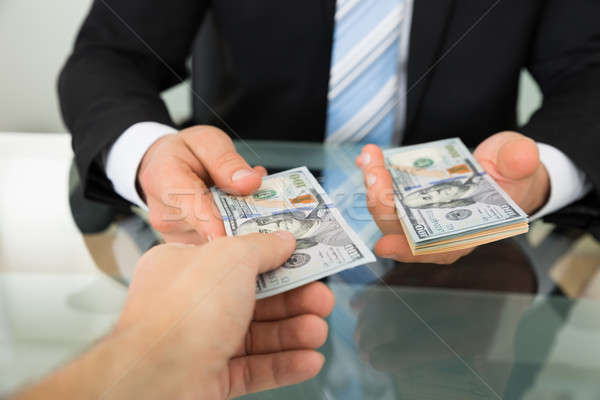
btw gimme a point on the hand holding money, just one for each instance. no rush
(174, 175)
(191, 328)
(509, 158)
(514, 162)
(198, 303)
(294, 201)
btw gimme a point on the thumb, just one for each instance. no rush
(518, 159)
(273, 249)
(259, 252)
(219, 158)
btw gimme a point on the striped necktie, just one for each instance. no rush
(363, 83)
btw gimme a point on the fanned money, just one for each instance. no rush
(446, 201)
(294, 201)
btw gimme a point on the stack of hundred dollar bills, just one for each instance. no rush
(445, 200)
(294, 201)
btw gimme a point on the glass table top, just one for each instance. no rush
(514, 319)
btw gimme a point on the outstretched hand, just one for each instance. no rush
(510, 158)
(197, 305)
(191, 328)
(175, 174)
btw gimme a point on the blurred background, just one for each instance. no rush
(28, 69)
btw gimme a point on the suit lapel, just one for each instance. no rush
(428, 28)
(328, 7)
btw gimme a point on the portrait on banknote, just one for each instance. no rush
(454, 193)
(311, 229)
(445, 201)
(294, 201)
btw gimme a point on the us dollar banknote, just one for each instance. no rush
(294, 201)
(446, 201)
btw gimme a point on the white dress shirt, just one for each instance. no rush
(567, 182)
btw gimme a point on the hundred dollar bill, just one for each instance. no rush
(446, 201)
(294, 201)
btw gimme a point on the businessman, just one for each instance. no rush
(191, 328)
(381, 72)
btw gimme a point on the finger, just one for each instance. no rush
(518, 159)
(155, 259)
(215, 150)
(183, 203)
(380, 190)
(258, 251)
(268, 371)
(314, 298)
(188, 237)
(508, 155)
(261, 170)
(396, 247)
(296, 333)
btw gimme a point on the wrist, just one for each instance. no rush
(568, 183)
(98, 372)
(541, 187)
(178, 366)
(125, 154)
(142, 175)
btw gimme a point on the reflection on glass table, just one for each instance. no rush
(514, 319)
(493, 325)
(475, 330)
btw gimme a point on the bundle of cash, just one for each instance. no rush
(294, 201)
(445, 200)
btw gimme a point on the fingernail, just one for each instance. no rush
(242, 173)
(365, 159)
(371, 179)
(285, 235)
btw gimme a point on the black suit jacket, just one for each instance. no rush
(465, 58)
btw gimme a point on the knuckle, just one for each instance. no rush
(206, 133)
(147, 181)
(370, 147)
(160, 222)
(205, 139)
(228, 159)
(210, 133)
(376, 169)
(156, 255)
(237, 248)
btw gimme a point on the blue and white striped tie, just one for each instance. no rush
(363, 95)
(363, 83)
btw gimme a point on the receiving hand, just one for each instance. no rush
(510, 158)
(194, 312)
(174, 177)
(191, 328)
